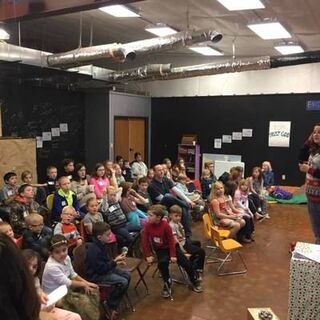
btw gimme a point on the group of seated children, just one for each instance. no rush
(234, 201)
(109, 208)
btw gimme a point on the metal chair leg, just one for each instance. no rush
(129, 302)
(141, 275)
(231, 272)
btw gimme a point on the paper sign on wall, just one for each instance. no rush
(279, 133)
(226, 138)
(236, 135)
(247, 133)
(217, 143)
(55, 132)
(63, 127)
(46, 136)
(39, 142)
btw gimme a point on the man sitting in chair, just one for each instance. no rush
(160, 190)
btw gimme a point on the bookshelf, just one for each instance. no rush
(191, 155)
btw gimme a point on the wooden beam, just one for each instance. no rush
(31, 9)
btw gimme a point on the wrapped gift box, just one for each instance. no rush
(304, 286)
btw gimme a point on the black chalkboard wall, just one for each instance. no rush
(210, 117)
(29, 111)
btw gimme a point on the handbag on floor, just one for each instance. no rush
(87, 306)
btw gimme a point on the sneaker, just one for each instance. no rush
(245, 240)
(197, 288)
(166, 291)
(267, 216)
(259, 216)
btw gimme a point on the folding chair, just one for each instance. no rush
(133, 264)
(79, 254)
(185, 278)
(207, 224)
(227, 246)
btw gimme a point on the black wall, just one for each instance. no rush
(210, 117)
(29, 111)
(96, 128)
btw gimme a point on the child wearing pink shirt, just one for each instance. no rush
(99, 180)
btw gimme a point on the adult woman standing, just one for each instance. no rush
(312, 170)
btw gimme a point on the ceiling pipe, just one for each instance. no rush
(237, 65)
(128, 51)
(139, 73)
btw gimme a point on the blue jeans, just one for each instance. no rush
(314, 214)
(120, 281)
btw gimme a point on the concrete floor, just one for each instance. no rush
(227, 298)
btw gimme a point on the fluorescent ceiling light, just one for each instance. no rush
(119, 11)
(161, 30)
(4, 35)
(289, 49)
(233, 5)
(206, 51)
(270, 30)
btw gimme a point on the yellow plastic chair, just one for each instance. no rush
(228, 247)
(49, 201)
(207, 224)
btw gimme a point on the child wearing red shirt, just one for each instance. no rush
(158, 237)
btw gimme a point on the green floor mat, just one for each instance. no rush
(297, 199)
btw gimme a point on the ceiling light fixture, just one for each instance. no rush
(288, 48)
(270, 30)
(234, 5)
(119, 11)
(206, 50)
(160, 30)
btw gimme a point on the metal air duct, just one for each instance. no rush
(259, 63)
(145, 72)
(128, 51)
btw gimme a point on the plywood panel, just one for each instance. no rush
(18, 155)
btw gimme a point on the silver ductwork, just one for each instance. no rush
(262, 63)
(259, 63)
(140, 73)
(128, 51)
(165, 72)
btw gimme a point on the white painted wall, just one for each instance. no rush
(294, 79)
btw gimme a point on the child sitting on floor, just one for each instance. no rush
(143, 192)
(206, 183)
(64, 197)
(188, 246)
(37, 236)
(129, 201)
(67, 228)
(117, 220)
(34, 265)
(158, 237)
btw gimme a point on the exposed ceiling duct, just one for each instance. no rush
(148, 71)
(128, 51)
(259, 63)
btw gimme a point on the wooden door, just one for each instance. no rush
(136, 137)
(129, 137)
